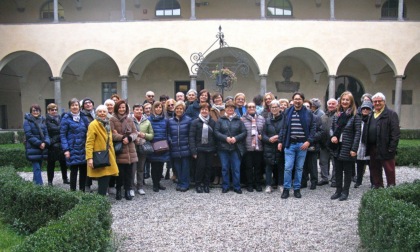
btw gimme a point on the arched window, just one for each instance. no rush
(390, 10)
(279, 8)
(347, 83)
(47, 11)
(168, 8)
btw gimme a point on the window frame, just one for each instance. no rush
(50, 11)
(274, 2)
(167, 7)
(387, 7)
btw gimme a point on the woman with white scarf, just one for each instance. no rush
(217, 110)
(203, 146)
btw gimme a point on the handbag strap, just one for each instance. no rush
(107, 139)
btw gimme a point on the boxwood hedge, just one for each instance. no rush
(389, 219)
(54, 219)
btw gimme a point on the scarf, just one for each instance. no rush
(206, 127)
(76, 117)
(343, 118)
(126, 131)
(218, 107)
(104, 123)
(231, 117)
(254, 132)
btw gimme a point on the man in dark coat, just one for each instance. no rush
(382, 136)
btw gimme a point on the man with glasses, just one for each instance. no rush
(296, 136)
(383, 134)
(150, 97)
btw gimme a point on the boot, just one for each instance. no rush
(127, 195)
(118, 195)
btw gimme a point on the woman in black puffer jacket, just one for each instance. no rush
(344, 143)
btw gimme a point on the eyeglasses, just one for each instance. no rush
(171, 105)
(365, 108)
(275, 107)
(54, 109)
(378, 101)
(150, 96)
(36, 110)
(251, 107)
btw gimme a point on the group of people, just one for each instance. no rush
(211, 140)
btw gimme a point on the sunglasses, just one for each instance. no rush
(53, 109)
(150, 96)
(171, 105)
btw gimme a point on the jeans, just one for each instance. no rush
(294, 157)
(231, 164)
(36, 168)
(182, 167)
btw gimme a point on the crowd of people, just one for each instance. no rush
(209, 140)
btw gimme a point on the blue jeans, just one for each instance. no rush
(294, 157)
(36, 168)
(182, 167)
(231, 163)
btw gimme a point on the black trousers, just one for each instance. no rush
(310, 168)
(343, 167)
(124, 178)
(203, 168)
(253, 164)
(103, 185)
(74, 169)
(361, 167)
(156, 172)
(55, 154)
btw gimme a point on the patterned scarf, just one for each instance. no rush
(254, 132)
(105, 123)
(76, 117)
(205, 131)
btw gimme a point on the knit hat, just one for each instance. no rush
(316, 102)
(85, 100)
(367, 104)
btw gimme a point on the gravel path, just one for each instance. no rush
(175, 221)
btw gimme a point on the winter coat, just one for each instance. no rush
(387, 134)
(53, 127)
(215, 114)
(88, 116)
(193, 110)
(34, 129)
(362, 154)
(230, 128)
(266, 113)
(326, 124)
(73, 138)
(178, 132)
(125, 128)
(96, 140)
(272, 127)
(196, 130)
(319, 133)
(159, 125)
(307, 121)
(144, 126)
(247, 120)
(350, 136)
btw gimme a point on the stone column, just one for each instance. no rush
(263, 84)
(193, 10)
(398, 94)
(123, 16)
(332, 14)
(193, 82)
(124, 87)
(57, 93)
(55, 11)
(262, 8)
(331, 86)
(400, 10)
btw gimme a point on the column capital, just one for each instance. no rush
(400, 76)
(124, 76)
(55, 78)
(332, 76)
(263, 75)
(193, 76)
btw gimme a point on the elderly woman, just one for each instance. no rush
(99, 138)
(231, 133)
(55, 153)
(203, 146)
(169, 113)
(37, 140)
(178, 132)
(268, 97)
(110, 107)
(73, 130)
(240, 108)
(124, 130)
(191, 97)
(254, 124)
(345, 143)
(194, 109)
(274, 159)
(110, 103)
(160, 129)
(284, 104)
(217, 110)
(145, 133)
(362, 158)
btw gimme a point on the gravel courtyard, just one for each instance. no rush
(175, 221)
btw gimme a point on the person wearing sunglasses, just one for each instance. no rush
(37, 140)
(55, 153)
(150, 97)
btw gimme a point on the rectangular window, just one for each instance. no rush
(108, 89)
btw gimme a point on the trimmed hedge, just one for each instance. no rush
(7, 137)
(56, 219)
(389, 219)
(407, 153)
(410, 134)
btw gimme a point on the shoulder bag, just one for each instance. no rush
(101, 158)
(160, 146)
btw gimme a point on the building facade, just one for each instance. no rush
(57, 50)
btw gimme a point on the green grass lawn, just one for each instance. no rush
(8, 238)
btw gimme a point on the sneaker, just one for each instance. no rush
(141, 192)
(112, 190)
(268, 189)
(132, 193)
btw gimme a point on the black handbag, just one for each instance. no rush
(118, 147)
(146, 148)
(160, 146)
(101, 158)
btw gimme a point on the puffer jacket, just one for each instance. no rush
(160, 129)
(73, 138)
(193, 110)
(350, 136)
(247, 120)
(319, 133)
(196, 131)
(125, 128)
(272, 127)
(53, 127)
(34, 138)
(178, 132)
(230, 128)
